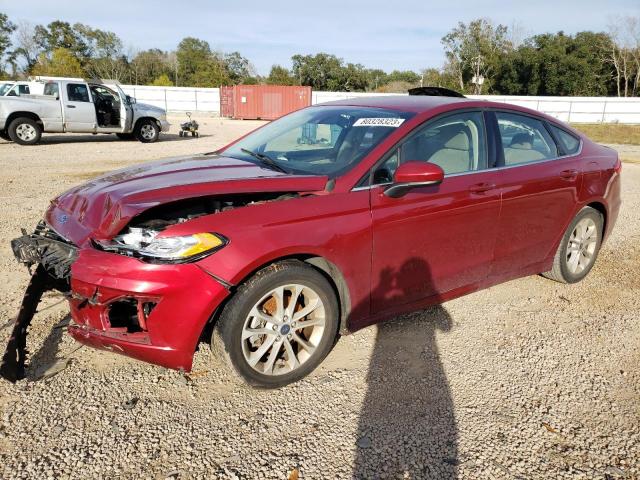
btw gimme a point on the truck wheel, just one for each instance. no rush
(125, 136)
(278, 326)
(147, 131)
(25, 131)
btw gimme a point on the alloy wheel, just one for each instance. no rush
(581, 247)
(26, 132)
(283, 329)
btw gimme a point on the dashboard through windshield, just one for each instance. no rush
(323, 140)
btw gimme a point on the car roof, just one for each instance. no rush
(408, 103)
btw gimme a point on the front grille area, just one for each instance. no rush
(44, 246)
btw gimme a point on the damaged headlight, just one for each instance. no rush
(141, 242)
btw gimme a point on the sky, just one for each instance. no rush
(391, 34)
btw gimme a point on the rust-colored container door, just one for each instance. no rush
(227, 103)
(269, 102)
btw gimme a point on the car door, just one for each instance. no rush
(79, 111)
(539, 186)
(435, 239)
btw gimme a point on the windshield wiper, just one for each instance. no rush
(265, 160)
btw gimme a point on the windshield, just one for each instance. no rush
(324, 140)
(5, 88)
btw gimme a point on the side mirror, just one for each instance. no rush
(130, 100)
(414, 174)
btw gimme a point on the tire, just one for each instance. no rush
(578, 248)
(25, 131)
(4, 135)
(147, 131)
(318, 335)
(125, 136)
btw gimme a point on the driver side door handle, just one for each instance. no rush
(482, 187)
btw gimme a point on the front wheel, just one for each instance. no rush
(147, 131)
(279, 325)
(25, 131)
(578, 248)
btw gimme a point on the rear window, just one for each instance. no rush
(570, 143)
(51, 89)
(77, 92)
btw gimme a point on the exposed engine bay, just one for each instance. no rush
(53, 256)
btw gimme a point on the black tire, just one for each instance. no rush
(147, 131)
(18, 128)
(561, 271)
(227, 343)
(4, 135)
(125, 136)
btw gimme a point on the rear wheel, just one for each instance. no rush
(578, 248)
(278, 326)
(25, 131)
(147, 131)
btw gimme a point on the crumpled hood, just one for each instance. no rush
(102, 207)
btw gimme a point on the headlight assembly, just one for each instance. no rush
(146, 244)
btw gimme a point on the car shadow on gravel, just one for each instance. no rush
(45, 362)
(49, 139)
(407, 426)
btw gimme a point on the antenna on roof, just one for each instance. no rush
(435, 92)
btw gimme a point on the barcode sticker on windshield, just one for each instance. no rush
(378, 122)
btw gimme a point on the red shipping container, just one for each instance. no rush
(266, 102)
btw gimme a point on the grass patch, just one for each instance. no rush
(610, 132)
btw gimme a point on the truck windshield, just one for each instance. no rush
(322, 140)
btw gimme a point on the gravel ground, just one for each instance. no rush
(527, 380)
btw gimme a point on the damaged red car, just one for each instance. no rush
(320, 223)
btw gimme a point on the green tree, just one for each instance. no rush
(59, 34)
(162, 81)
(474, 50)
(239, 69)
(148, 65)
(198, 66)
(328, 72)
(6, 29)
(61, 63)
(279, 75)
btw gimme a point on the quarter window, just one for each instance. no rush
(455, 142)
(77, 92)
(524, 139)
(570, 143)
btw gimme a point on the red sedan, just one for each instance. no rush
(325, 221)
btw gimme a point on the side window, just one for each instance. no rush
(569, 142)
(524, 139)
(51, 89)
(23, 89)
(77, 92)
(455, 142)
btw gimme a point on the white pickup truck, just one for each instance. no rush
(82, 107)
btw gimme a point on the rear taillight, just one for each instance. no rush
(618, 166)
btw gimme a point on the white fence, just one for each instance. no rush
(568, 109)
(179, 99)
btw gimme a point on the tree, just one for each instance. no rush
(239, 69)
(473, 51)
(624, 54)
(148, 65)
(198, 66)
(26, 45)
(279, 75)
(6, 29)
(162, 81)
(63, 63)
(58, 34)
(328, 72)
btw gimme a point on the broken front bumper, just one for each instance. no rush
(152, 312)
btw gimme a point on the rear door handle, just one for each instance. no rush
(482, 187)
(570, 174)
(71, 106)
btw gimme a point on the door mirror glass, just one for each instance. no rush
(130, 100)
(413, 174)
